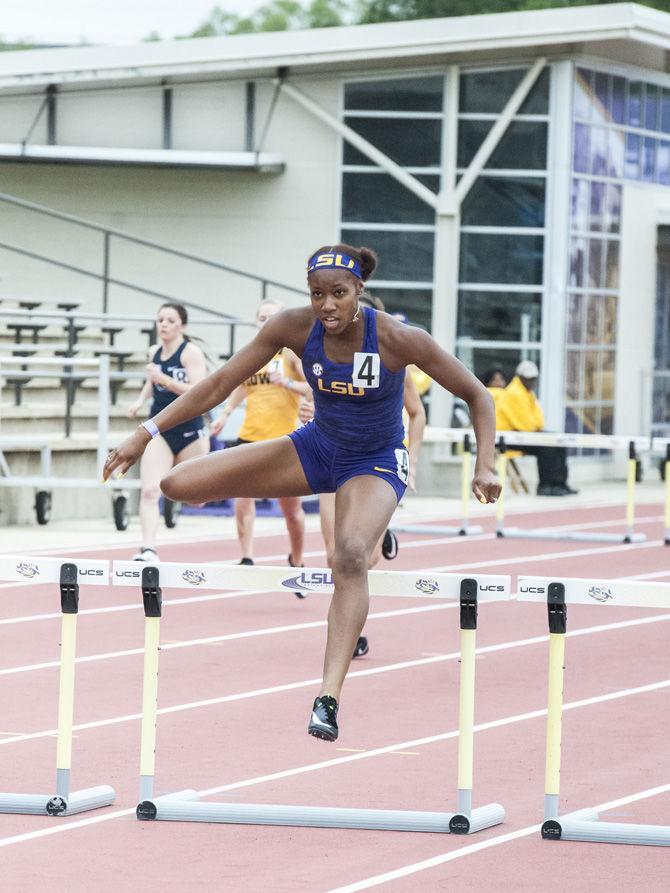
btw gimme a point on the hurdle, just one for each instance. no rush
(185, 805)
(69, 575)
(662, 445)
(584, 441)
(464, 441)
(585, 824)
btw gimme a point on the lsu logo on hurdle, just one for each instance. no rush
(600, 593)
(27, 569)
(195, 578)
(427, 586)
(314, 581)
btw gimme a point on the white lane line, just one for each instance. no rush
(434, 861)
(315, 624)
(229, 536)
(379, 751)
(137, 605)
(372, 671)
(545, 556)
(227, 637)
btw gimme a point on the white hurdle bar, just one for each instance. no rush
(185, 806)
(69, 575)
(464, 439)
(584, 825)
(506, 439)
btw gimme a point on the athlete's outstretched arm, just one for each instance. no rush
(420, 348)
(205, 395)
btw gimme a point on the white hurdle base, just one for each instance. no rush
(185, 807)
(438, 530)
(50, 804)
(571, 536)
(586, 826)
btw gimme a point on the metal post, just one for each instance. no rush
(502, 477)
(630, 492)
(167, 117)
(250, 116)
(105, 271)
(667, 494)
(466, 461)
(69, 596)
(152, 598)
(466, 710)
(51, 114)
(557, 615)
(103, 411)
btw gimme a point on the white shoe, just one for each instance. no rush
(149, 555)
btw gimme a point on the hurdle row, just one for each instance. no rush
(509, 440)
(467, 592)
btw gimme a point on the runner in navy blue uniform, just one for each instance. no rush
(355, 362)
(176, 364)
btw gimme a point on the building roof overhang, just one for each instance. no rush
(463, 38)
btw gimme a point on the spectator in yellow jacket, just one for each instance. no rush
(518, 409)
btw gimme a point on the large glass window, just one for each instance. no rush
(499, 316)
(502, 217)
(403, 118)
(418, 94)
(378, 198)
(411, 142)
(620, 133)
(504, 201)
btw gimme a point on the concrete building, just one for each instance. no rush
(512, 171)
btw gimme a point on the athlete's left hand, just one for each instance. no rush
(154, 373)
(126, 455)
(485, 485)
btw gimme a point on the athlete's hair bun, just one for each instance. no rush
(368, 262)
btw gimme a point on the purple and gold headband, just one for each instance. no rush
(333, 261)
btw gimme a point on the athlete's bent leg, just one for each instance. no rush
(356, 534)
(265, 470)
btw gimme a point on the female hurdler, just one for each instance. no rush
(354, 360)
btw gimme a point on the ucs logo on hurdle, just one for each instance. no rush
(195, 578)
(314, 581)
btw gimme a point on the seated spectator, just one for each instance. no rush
(518, 409)
(494, 380)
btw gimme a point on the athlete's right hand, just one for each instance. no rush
(305, 410)
(218, 424)
(126, 455)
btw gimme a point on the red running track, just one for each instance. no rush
(237, 676)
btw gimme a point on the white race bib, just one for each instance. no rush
(366, 371)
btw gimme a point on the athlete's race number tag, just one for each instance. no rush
(365, 373)
(402, 458)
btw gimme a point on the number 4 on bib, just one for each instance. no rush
(365, 373)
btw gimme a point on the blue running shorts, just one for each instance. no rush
(180, 436)
(327, 466)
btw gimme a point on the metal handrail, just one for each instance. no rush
(107, 280)
(25, 318)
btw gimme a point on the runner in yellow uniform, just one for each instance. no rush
(272, 398)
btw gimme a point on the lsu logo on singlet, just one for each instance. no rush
(340, 387)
